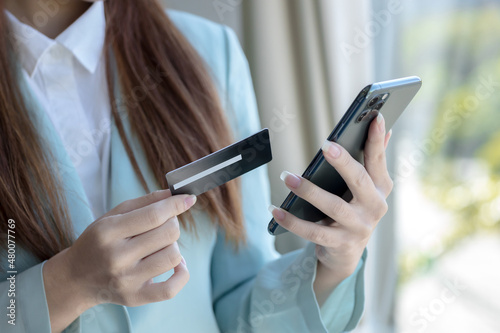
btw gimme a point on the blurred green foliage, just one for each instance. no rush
(458, 54)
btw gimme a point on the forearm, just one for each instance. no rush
(65, 298)
(331, 271)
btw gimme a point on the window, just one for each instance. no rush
(446, 163)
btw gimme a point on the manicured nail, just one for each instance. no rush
(183, 260)
(388, 139)
(380, 123)
(290, 179)
(189, 201)
(277, 213)
(331, 149)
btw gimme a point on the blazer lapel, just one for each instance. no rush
(76, 198)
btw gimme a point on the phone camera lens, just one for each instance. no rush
(379, 106)
(373, 101)
(362, 115)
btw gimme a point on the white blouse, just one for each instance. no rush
(68, 76)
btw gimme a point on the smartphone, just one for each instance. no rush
(389, 98)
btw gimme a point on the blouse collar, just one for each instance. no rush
(84, 38)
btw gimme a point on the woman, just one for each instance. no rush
(98, 101)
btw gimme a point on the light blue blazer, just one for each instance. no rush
(252, 290)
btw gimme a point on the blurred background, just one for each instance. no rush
(434, 261)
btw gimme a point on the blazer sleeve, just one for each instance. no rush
(254, 288)
(23, 303)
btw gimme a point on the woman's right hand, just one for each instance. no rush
(115, 259)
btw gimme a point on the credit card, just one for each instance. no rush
(221, 166)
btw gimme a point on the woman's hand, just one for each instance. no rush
(343, 235)
(115, 259)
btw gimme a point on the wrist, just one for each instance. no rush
(66, 297)
(326, 281)
(83, 292)
(334, 267)
(330, 272)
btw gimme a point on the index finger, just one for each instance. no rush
(313, 232)
(375, 159)
(132, 204)
(152, 216)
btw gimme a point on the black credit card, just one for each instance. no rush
(221, 166)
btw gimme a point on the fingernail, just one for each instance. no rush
(189, 201)
(183, 260)
(380, 124)
(290, 179)
(331, 149)
(277, 213)
(390, 133)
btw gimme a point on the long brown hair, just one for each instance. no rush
(176, 120)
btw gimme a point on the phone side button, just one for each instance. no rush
(271, 228)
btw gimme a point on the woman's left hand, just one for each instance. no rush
(343, 235)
